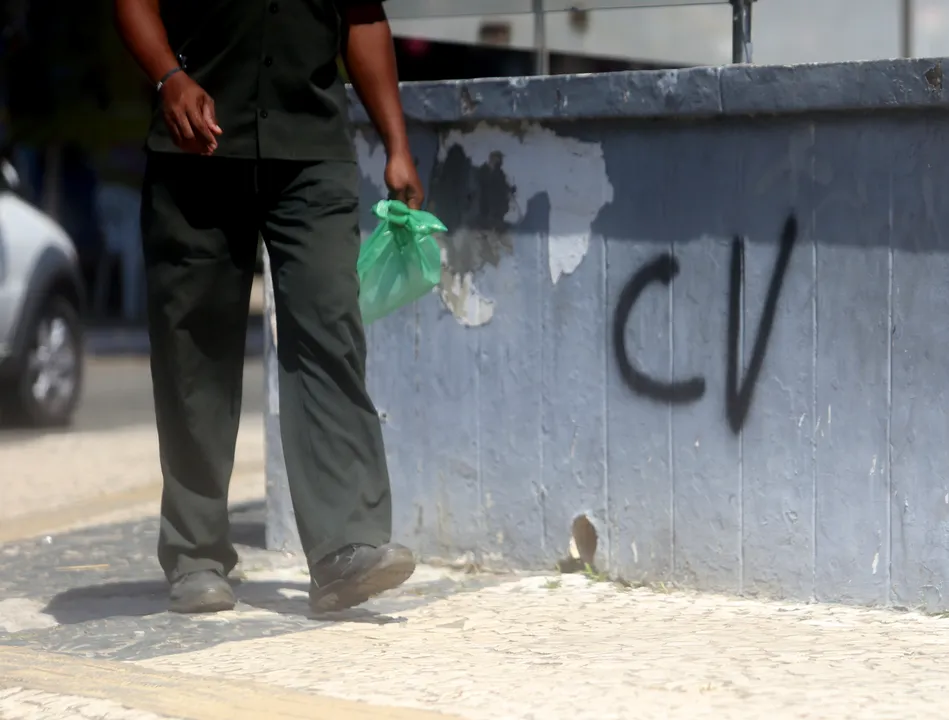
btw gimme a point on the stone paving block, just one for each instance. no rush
(576, 649)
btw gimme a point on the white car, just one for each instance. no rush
(41, 300)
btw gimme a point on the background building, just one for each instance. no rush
(784, 31)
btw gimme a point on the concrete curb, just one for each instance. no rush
(176, 695)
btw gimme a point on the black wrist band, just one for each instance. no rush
(166, 77)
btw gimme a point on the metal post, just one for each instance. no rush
(541, 56)
(741, 31)
(906, 41)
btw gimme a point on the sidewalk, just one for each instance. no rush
(84, 634)
(62, 481)
(115, 340)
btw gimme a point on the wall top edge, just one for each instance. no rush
(731, 90)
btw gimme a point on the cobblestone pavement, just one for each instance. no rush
(467, 645)
(84, 632)
(569, 648)
(20, 704)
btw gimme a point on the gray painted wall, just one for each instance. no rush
(770, 245)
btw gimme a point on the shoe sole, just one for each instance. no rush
(211, 601)
(392, 570)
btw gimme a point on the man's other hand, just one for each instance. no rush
(189, 115)
(403, 181)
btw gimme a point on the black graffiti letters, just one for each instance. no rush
(738, 396)
(738, 393)
(661, 269)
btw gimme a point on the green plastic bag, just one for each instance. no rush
(400, 261)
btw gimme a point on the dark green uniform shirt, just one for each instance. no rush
(270, 66)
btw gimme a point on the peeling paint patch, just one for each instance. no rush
(935, 78)
(668, 82)
(566, 254)
(537, 160)
(462, 298)
(468, 103)
(473, 199)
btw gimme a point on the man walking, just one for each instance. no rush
(250, 137)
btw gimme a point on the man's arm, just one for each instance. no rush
(188, 110)
(370, 60)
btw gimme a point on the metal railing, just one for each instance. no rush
(416, 9)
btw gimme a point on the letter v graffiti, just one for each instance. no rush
(738, 396)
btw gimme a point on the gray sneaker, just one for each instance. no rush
(204, 591)
(355, 573)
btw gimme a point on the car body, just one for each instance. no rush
(41, 302)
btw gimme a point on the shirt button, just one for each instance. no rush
(274, 7)
(268, 61)
(263, 114)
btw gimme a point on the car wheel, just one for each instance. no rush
(50, 379)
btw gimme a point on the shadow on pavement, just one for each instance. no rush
(249, 532)
(150, 597)
(119, 599)
(104, 595)
(291, 599)
(131, 597)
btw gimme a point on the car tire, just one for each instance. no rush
(48, 385)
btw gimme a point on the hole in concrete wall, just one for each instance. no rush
(583, 544)
(583, 540)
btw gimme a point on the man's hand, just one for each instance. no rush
(189, 115)
(403, 181)
(188, 110)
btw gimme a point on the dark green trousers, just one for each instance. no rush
(201, 218)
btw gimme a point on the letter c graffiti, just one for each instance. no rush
(662, 269)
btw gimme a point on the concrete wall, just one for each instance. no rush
(708, 311)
